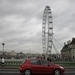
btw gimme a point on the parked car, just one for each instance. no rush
(40, 66)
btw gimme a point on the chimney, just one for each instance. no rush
(68, 42)
(64, 43)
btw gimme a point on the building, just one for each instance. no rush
(68, 51)
(12, 53)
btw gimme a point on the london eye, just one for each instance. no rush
(47, 31)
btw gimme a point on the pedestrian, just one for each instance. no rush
(2, 61)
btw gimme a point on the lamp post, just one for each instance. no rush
(3, 48)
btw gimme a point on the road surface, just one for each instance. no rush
(16, 72)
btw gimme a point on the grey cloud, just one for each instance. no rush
(21, 22)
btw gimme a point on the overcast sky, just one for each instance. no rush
(21, 23)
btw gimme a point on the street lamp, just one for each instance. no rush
(3, 48)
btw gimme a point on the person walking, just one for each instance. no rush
(2, 61)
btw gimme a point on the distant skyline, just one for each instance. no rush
(21, 23)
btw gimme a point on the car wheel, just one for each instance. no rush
(57, 72)
(27, 72)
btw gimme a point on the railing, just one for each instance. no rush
(11, 64)
(19, 63)
(66, 64)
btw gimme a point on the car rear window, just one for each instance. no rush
(43, 62)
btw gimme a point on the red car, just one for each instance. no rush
(40, 66)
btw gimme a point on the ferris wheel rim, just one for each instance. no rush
(47, 11)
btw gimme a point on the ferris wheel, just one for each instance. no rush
(47, 31)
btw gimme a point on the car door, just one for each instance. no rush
(47, 67)
(35, 66)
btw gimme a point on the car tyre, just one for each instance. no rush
(57, 72)
(27, 72)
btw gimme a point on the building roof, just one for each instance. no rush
(65, 47)
(73, 41)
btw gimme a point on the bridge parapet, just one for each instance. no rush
(18, 63)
